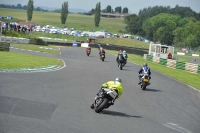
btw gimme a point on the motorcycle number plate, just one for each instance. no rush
(113, 94)
(145, 80)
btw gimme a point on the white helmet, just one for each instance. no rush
(118, 79)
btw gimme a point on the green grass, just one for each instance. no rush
(77, 21)
(124, 42)
(182, 59)
(10, 60)
(180, 75)
(47, 49)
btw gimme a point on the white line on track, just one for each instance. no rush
(177, 128)
(14, 107)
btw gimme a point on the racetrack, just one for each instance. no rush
(59, 101)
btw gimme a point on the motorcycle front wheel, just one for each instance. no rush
(102, 105)
(120, 66)
(144, 85)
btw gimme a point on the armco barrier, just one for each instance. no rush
(4, 46)
(131, 50)
(190, 67)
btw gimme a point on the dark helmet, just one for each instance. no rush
(145, 64)
(118, 79)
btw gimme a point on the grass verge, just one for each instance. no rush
(47, 49)
(11, 60)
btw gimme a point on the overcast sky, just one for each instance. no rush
(133, 5)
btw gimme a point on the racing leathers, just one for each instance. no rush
(144, 70)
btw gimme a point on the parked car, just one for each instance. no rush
(85, 34)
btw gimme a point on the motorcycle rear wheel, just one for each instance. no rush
(102, 106)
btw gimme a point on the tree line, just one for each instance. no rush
(178, 26)
(23, 7)
(109, 9)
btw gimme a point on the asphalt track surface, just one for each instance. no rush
(190, 58)
(59, 101)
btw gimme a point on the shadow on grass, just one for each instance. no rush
(114, 113)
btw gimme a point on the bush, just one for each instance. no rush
(38, 41)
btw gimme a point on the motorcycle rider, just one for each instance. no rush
(88, 49)
(120, 57)
(112, 85)
(102, 51)
(144, 69)
(125, 55)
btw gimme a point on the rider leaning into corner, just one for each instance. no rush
(112, 85)
(144, 69)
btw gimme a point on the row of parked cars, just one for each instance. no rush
(72, 31)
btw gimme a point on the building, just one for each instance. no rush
(113, 15)
(27, 23)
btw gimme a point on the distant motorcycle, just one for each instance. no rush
(144, 81)
(104, 99)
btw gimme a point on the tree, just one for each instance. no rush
(64, 12)
(97, 16)
(188, 35)
(19, 6)
(125, 10)
(118, 9)
(30, 8)
(160, 27)
(92, 11)
(25, 7)
(108, 9)
(134, 24)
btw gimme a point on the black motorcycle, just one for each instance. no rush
(104, 99)
(144, 81)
